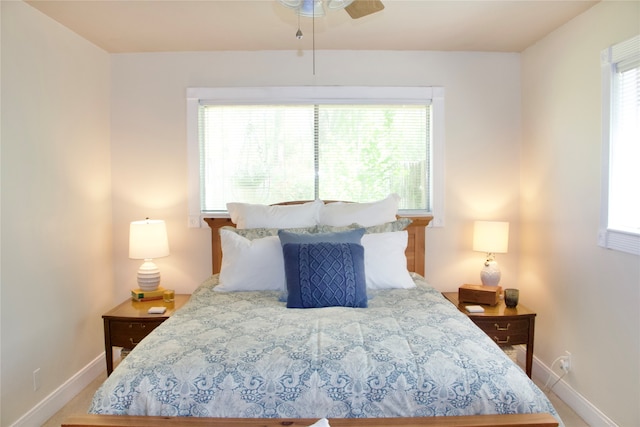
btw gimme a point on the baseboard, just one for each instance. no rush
(51, 404)
(577, 402)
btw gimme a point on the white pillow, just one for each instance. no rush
(385, 263)
(340, 214)
(250, 265)
(247, 215)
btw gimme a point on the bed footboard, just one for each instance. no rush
(515, 420)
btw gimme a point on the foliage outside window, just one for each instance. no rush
(271, 153)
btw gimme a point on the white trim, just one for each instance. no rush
(314, 94)
(577, 402)
(51, 404)
(619, 240)
(311, 94)
(437, 145)
(193, 163)
(605, 69)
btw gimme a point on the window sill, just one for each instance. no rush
(620, 241)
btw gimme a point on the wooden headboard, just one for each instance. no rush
(414, 252)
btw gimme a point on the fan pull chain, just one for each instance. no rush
(298, 33)
(299, 36)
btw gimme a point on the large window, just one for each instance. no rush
(620, 227)
(278, 144)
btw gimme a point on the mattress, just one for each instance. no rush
(244, 354)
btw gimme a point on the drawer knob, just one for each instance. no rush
(500, 328)
(134, 343)
(498, 341)
(142, 325)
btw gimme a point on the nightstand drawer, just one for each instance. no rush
(128, 334)
(505, 331)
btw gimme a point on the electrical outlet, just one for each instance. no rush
(565, 362)
(36, 380)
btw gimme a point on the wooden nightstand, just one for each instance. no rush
(506, 326)
(128, 323)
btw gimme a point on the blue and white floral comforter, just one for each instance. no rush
(243, 354)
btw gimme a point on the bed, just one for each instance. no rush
(242, 358)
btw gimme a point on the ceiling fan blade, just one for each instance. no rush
(360, 8)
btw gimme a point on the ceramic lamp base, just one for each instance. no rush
(148, 276)
(490, 274)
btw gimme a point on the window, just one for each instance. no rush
(620, 217)
(334, 143)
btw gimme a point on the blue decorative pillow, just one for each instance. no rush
(349, 236)
(325, 274)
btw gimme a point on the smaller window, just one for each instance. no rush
(620, 216)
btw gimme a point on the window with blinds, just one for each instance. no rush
(620, 228)
(271, 153)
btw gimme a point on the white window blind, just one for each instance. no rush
(255, 154)
(267, 145)
(270, 153)
(620, 227)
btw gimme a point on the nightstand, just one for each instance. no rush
(128, 323)
(506, 326)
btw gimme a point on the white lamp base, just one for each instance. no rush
(148, 276)
(490, 274)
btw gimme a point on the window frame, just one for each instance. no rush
(310, 95)
(609, 238)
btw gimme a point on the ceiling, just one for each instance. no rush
(121, 26)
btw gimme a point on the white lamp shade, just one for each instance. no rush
(148, 239)
(491, 236)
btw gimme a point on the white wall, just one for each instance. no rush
(57, 272)
(587, 297)
(149, 149)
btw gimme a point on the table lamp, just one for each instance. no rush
(491, 237)
(148, 240)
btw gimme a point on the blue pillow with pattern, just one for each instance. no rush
(325, 274)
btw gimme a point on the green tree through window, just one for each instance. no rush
(272, 153)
